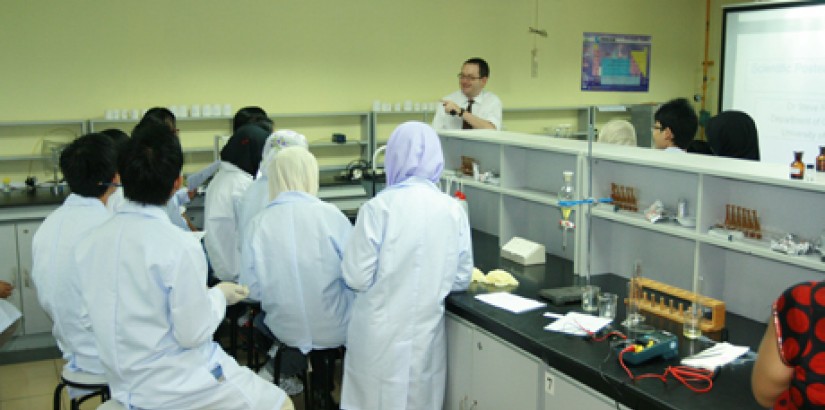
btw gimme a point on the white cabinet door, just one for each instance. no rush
(459, 363)
(9, 268)
(562, 392)
(503, 376)
(35, 319)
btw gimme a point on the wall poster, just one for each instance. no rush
(615, 62)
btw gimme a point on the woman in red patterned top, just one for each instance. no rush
(790, 370)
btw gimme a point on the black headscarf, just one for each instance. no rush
(733, 134)
(245, 148)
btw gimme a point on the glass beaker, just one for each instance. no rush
(693, 319)
(590, 295)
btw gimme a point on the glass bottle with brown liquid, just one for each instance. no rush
(820, 160)
(797, 166)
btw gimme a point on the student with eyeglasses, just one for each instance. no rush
(471, 107)
(675, 126)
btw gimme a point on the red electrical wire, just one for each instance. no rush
(693, 378)
(602, 338)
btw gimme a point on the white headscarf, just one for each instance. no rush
(620, 132)
(293, 169)
(278, 140)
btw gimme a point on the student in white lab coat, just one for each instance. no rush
(292, 264)
(410, 247)
(89, 165)
(240, 159)
(257, 196)
(155, 317)
(163, 116)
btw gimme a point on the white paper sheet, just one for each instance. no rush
(507, 301)
(574, 323)
(718, 355)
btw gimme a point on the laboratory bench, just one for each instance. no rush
(19, 204)
(590, 369)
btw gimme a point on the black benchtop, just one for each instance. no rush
(41, 196)
(594, 363)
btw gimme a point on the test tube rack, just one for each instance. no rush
(671, 303)
(742, 219)
(624, 197)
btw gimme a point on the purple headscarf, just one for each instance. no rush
(413, 150)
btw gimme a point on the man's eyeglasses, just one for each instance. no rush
(657, 128)
(468, 77)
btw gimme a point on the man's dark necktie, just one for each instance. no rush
(466, 125)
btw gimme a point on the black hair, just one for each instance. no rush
(89, 164)
(118, 136)
(252, 115)
(158, 115)
(699, 147)
(149, 164)
(483, 68)
(679, 116)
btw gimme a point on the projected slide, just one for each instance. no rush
(774, 71)
(615, 62)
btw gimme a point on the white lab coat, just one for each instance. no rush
(58, 281)
(174, 208)
(411, 246)
(156, 318)
(223, 198)
(115, 200)
(254, 199)
(292, 264)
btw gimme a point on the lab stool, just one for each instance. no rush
(233, 314)
(302, 375)
(306, 375)
(111, 405)
(81, 380)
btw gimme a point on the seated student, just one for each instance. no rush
(9, 314)
(89, 166)
(789, 372)
(256, 197)
(154, 317)
(300, 285)
(251, 115)
(163, 116)
(240, 159)
(619, 132)
(119, 138)
(733, 134)
(675, 125)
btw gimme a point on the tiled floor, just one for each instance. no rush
(30, 385)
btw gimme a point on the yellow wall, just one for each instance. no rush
(66, 59)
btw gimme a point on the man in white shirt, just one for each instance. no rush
(89, 166)
(471, 107)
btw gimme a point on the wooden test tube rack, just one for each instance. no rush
(673, 302)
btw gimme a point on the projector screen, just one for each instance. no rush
(773, 68)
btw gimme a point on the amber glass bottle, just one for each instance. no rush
(797, 166)
(820, 160)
